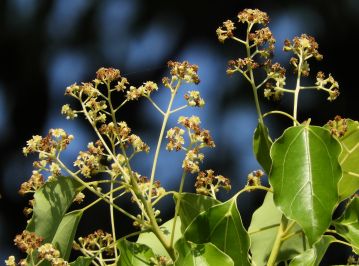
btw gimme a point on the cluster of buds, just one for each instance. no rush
(338, 127)
(183, 71)
(226, 31)
(254, 178)
(96, 110)
(194, 99)
(143, 91)
(89, 162)
(241, 65)
(97, 241)
(35, 182)
(28, 241)
(207, 183)
(276, 73)
(144, 185)
(253, 16)
(79, 198)
(86, 88)
(56, 140)
(328, 84)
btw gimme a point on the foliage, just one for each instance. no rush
(312, 171)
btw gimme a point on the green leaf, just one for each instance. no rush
(49, 218)
(65, 233)
(152, 241)
(222, 226)
(81, 261)
(191, 205)
(261, 147)
(313, 256)
(263, 230)
(305, 175)
(348, 224)
(190, 254)
(349, 161)
(134, 254)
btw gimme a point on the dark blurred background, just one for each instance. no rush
(48, 45)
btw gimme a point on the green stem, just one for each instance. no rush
(282, 113)
(277, 242)
(99, 199)
(297, 87)
(178, 204)
(251, 77)
(160, 138)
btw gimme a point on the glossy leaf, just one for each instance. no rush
(190, 254)
(134, 254)
(313, 256)
(349, 160)
(261, 147)
(81, 261)
(305, 175)
(152, 241)
(348, 224)
(193, 204)
(263, 230)
(65, 233)
(49, 218)
(222, 226)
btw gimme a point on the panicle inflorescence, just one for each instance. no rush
(253, 16)
(184, 71)
(328, 84)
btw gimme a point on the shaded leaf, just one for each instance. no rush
(134, 254)
(349, 160)
(261, 147)
(151, 240)
(305, 175)
(65, 233)
(348, 224)
(49, 218)
(313, 256)
(193, 204)
(190, 254)
(263, 230)
(222, 226)
(81, 261)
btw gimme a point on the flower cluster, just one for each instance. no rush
(276, 73)
(252, 16)
(175, 139)
(28, 241)
(97, 241)
(261, 38)
(107, 75)
(226, 31)
(207, 183)
(241, 65)
(144, 184)
(48, 252)
(35, 182)
(254, 178)
(56, 140)
(89, 162)
(194, 99)
(184, 71)
(192, 160)
(198, 136)
(144, 90)
(338, 127)
(304, 46)
(328, 84)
